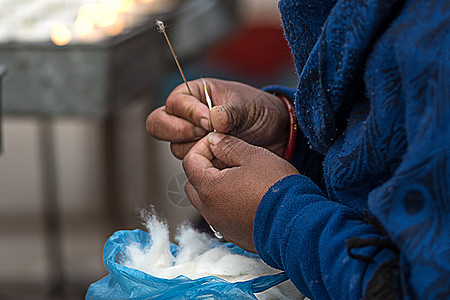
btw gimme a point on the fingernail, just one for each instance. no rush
(204, 123)
(214, 138)
(199, 131)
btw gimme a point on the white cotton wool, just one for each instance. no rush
(154, 258)
(199, 256)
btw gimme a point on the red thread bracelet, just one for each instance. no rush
(288, 153)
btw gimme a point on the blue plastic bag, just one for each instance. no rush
(126, 283)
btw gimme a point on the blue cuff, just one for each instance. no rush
(267, 214)
(300, 231)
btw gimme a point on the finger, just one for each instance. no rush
(179, 150)
(232, 151)
(172, 128)
(188, 107)
(192, 195)
(198, 164)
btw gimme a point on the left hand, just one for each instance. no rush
(248, 113)
(228, 198)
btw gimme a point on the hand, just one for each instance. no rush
(228, 198)
(253, 115)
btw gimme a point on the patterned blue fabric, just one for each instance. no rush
(374, 99)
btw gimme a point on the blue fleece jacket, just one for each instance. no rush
(374, 99)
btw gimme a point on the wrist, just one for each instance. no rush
(290, 145)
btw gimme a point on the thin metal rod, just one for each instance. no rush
(162, 29)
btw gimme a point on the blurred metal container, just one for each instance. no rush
(95, 79)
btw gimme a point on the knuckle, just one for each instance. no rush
(178, 131)
(180, 107)
(230, 145)
(189, 111)
(170, 103)
(152, 123)
(183, 132)
(227, 141)
(173, 101)
(227, 145)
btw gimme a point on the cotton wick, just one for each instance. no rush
(208, 99)
(162, 29)
(210, 106)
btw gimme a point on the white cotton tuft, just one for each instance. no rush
(199, 255)
(152, 259)
(160, 25)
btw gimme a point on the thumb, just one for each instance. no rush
(230, 150)
(224, 118)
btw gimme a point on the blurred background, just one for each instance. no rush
(78, 79)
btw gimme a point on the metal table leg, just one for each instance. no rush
(52, 222)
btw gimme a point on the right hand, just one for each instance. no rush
(248, 113)
(218, 193)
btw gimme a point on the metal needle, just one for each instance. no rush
(162, 29)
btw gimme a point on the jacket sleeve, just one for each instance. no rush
(298, 230)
